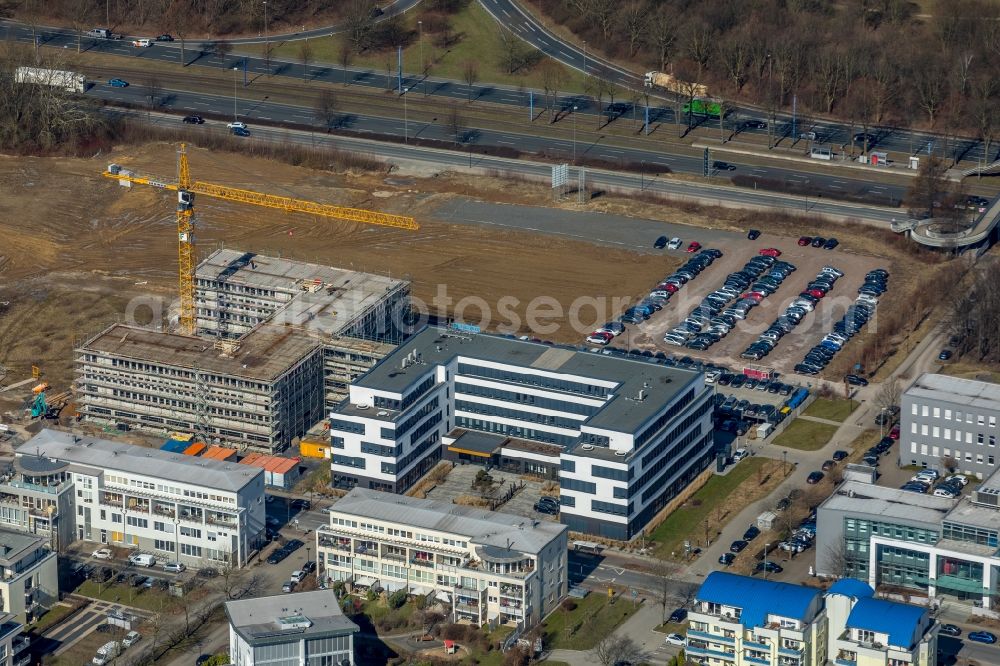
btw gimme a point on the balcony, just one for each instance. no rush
(394, 557)
(845, 662)
(369, 548)
(224, 521)
(728, 656)
(24, 485)
(716, 638)
(757, 660)
(513, 591)
(20, 643)
(753, 645)
(790, 652)
(421, 562)
(167, 513)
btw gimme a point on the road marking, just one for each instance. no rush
(505, 13)
(565, 54)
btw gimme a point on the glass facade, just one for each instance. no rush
(970, 534)
(903, 567)
(857, 532)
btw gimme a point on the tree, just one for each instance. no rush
(888, 396)
(305, 57)
(513, 52)
(663, 587)
(346, 55)
(553, 77)
(949, 463)
(222, 49)
(615, 648)
(268, 53)
(470, 74)
(663, 35)
(930, 189)
(633, 19)
(325, 109)
(359, 24)
(455, 122)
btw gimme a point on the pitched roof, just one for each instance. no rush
(899, 621)
(851, 587)
(757, 597)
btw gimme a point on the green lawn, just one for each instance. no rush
(52, 617)
(833, 409)
(806, 435)
(154, 600)
(477, 39)
(683, 523)
(593, 618)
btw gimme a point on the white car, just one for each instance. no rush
(142, 43)
(944, 492)
(930, 474)
(676, 639)
(102, 554)
(131, 638)
(740, 454)
(238, 124)
(674, 244)
(960, 479)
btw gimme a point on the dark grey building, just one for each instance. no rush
(948, 417)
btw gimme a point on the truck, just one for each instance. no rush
(71, 81)
(703, 107)
(103, 33)
(672, 84)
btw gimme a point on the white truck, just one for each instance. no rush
(103, 33)
(71, 81)
(673, 84)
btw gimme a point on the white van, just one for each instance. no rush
(106, 653)
(142, 43)
(142, 560)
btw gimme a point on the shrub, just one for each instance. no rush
(397, 599)
(569, 605)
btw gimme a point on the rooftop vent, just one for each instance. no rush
(382, 412)
(362, 407)
(587, 447)
(621, 454)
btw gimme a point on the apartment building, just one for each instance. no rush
(622, 435)
(196, 511)
(356, 316)
(747, 621)
(13, 643)
(29, 576)
(37, 497)
(259, 392)
(300, 629)
(490, 566)
(935, 547)
(950, 418)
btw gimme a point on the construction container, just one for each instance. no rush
(175, 446)
(278, 472)
(195, 449)
(220, 453)
(310, 448)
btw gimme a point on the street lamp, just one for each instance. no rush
(765, 560)
(423, 69)
(266, 40)
(881, 421)
(406, 121)
(642, 175)
(574, 133)
(235, 75)
(584, 57)
(177, 536)
(307, 553)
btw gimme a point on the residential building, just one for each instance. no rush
(751, 622)
(29, 576)
(935, 547)
(946, 417)
(13, 643)
(261, 391)
(356, 316)
(277, 343)
(299, 629)
(491, 566)
(747, 621)
(37, 496)
(623, 435)
(179, 508)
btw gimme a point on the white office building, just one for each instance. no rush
(622, 435)
(192, 510)
(301, 629)
(490, 566)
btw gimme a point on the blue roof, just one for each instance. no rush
(758, 597)
(887, 617)
(851, 587)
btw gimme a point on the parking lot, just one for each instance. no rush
(459, 483)
(808, 261)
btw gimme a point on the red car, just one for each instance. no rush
(771, 252)
(671, 287)
(755, 295)
(805, 241)
(818, 293)
(694, 246)
(894, 433)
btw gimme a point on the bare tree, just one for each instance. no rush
(930, 190)
(268, 53)
(359, 23)
(325, 109)
(513, 53)
(836, 560)
(346, 55)
(222, 50)
(633, 19)
(615, 648)
(663, 35)
(663, 590)
(470, 75)
(455, 122)
(305, 57)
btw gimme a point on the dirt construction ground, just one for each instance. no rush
(78, 248)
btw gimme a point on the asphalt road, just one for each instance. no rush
(597, 180)
(892, 139)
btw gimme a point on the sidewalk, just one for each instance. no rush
(639, 627)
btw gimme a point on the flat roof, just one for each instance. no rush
(105, 455)
(967, 513)
(968, 392)
(889, 503)
(626, 378)
(15, 545)
(340, 295)
(484, 528)
(293, 616)
(264, 354)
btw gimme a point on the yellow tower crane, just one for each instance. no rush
(186, 189)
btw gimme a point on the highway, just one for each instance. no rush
(600, 180)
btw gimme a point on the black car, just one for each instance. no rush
(278, 555)
(751, 533)
(547, 508)
(862, 137)
(738, 546)
(309, 567)
(293, 545)
(818, 241)
(950, 630)
(726, 559)
(755, 124)
(839, 455)
(856, 380)
(753, 234)
(660, 243)
(768, 566)
(678, 616)
(830, 243)
(944, 355)
(783, 504)
(814, 477)
(194, 120)
(302, 504)
(164, 38)
(723, 166)
(239, 131)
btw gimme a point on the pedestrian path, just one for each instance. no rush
(639, 628)
(817, 419)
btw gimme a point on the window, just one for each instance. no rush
(188, 549)
(578, 486)
(567, 500)
(567, 465)
(937, 412)
(190, 532)
(349, 461)
(611, 473)
(340, 425)
(607, 507)
(133, 521)
(160, 544)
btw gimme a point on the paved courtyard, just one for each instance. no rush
(459, 482)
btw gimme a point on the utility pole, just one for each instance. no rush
(235, 79)
(267, 42)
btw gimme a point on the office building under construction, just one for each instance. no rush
(277, 343)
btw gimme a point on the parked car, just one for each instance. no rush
(678, 616)
(944, 355)
(288, 586)
(839, 455)
(753, 234)
(982, 637)
(737, 546)
(726, 559)
(131, 638)
(118, 83)
(102, 554)
(814, 477)
(694, 246)
(770, 252)
(676, 639)
(768, 566)
(828, 465)
(805, 241)
(674, 244)
(856, 380)
(660, 243)
(950, 630)
(174, 567)
(751, 533)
